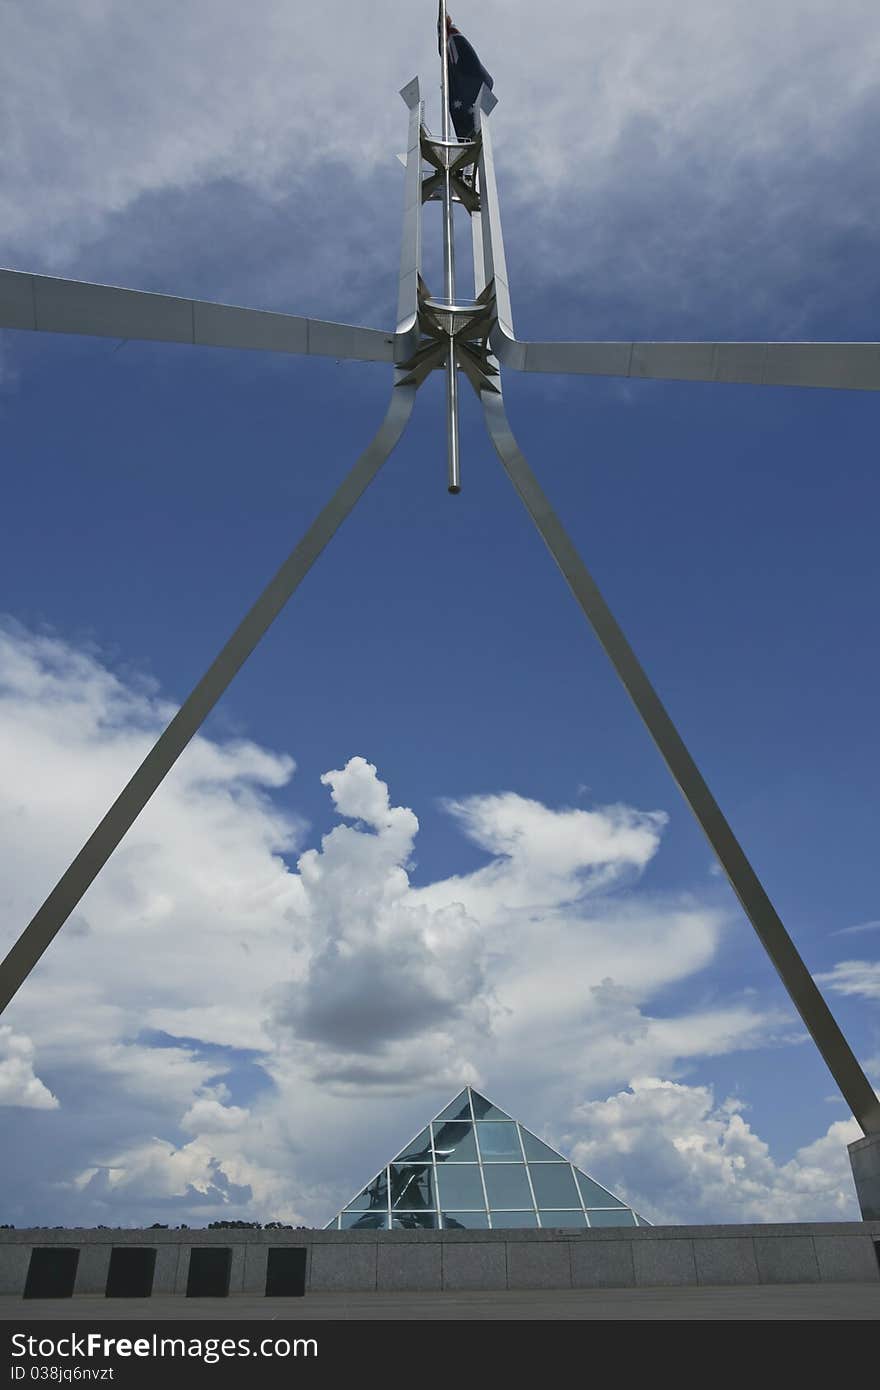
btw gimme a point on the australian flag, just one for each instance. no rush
(466, 76)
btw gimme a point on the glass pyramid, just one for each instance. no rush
(475, 1168)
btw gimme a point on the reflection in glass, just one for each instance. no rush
(375, 1195)
(593, 1194)
(612, 1218)
(458, 1109)
(554, 1185)
(513, 1220)
(485, 1110)
(507, 1185)
(412, 1186)
(536, 1148)
(419, 1151)
(563, 1218)
(454, 1143)
(499, 1142)
(460, 1185)
(472, 1148)
(364, 1221)
(465, 1221)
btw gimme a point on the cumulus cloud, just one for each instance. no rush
(384, 968)
(18, 1083)
(678, 1151)
(236, 1023)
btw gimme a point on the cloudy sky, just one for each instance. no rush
(424, 839)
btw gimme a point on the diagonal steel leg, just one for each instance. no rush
(70, 888)
(856, 1089)
(133, 798)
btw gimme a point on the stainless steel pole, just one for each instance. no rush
(454, 468)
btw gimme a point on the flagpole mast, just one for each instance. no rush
(454, 469)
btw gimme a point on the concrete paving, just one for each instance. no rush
(779, 1302)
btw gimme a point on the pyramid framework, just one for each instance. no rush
(476, 1168)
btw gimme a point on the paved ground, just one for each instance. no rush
(768, 1302)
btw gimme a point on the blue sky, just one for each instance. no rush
(229, 1029)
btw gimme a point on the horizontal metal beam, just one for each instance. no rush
(44, 303)
(844, 366)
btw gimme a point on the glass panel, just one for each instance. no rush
(454, 1143)
(374, 1195)
(593, 1194)
(412, 1187)
(419, 1151)
(563, 1218)
(513, 1220)
(460, 1186)
(458, 1109)
(611, 1218)
(465, 1221)
(485, 1110)
(554, 1185)
(413, 1221)
(507, 1185)
(364, 1221)
(640, 1220)
(536, 1148)
(499, 1142)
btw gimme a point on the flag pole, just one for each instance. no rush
(454, 469)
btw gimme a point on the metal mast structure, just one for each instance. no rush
(475, 337)
(454, 464)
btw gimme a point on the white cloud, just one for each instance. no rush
(682, 1157)
(209, 1115)
(858, 977)
(230, 1036)
(873, 925)
(18, 1083)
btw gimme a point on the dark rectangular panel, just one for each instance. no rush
(51, 1272)
(460, 1187)
(499, 1142)
(465, 1221)
(454, 1143)
(563, 1219)
(286, 1272)
(513, 1220)
(209, 1268)
(611, 1218)
(412, 1186)
(554, 1185)
(507, 1185)
(364, 1221)
(131, 1272)
(413, 1221)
